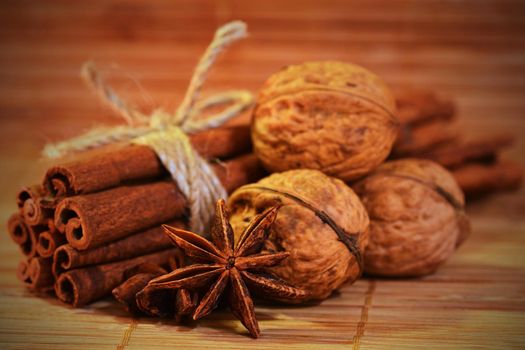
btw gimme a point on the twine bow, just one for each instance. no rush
(167, 133)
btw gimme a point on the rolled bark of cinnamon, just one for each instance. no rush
(158, 302)
(81, 286)
(17, 229)
(420, 106)
(141, 243)
(168, 302)
(127, 291)
(28, 192)
(455, 154)
(478, 178)
(116, 165)
(22, 272)
(40, 275)
(414, 140)
(29, 248)
(35, 206)
(35, 213)
(48, 242)
(50, 223)
(185, 301)
(38, 210)
(24, 235)
(94, 219)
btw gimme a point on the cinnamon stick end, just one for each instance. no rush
(17, 229)
(66, 290)
(22, 272)
(58, 182)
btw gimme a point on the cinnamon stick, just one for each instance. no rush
(28, 192)
(478, 178)
(455, 154)
(116, 165)
(141, 243)
(22, 272)
(29, 247)
(414, 107)
(95, 219)
(158, 302)
(17, 229)
(40, 275)
(127, 291)
(186, 301)
(48, 242)
(35, 206)
(167, 302)
(414, 140)
(24, 235)
(50, 223)
(81, 286)
(38, 210)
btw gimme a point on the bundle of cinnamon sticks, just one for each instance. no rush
(94, 224)
(429, 130)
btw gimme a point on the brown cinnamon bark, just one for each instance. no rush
(48, 242)
(158, 303)
(22, 272)
(127, 291)
(414, 107)
(29, 247)
(37, 211)
(28, 192)
(478, 178)
(414, 140)
(116, 165)
(24, 235)
(168, 303)
(141, 243)
(455, 154)
(94, 219)
(81, 286)
(239, 171)
(35, 206)
(185, 301)
(17, 229)
(50, 223)
(40, 275)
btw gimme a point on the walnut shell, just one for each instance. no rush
(331, 116)
(319, 261)
(416, 217)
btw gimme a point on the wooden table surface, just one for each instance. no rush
(471, 50)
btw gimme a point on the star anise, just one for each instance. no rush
(223, 266)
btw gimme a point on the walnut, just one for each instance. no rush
(417, 217)
(331, 116)
(315, 208)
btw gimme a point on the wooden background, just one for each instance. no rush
(471, 50)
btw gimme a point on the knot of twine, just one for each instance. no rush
(167, 134)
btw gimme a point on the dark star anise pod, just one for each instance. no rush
(224, 266)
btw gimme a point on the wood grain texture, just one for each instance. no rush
(471, 50)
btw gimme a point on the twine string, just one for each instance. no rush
(167, 134)
(224, 36)
(94, 80)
